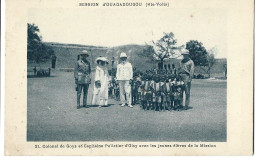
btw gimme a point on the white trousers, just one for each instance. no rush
(125, 90)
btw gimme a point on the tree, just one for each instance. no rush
(201, 57)
(211, 58)
(37, 51)
(161, 49)
(197, 52)
(164, 48)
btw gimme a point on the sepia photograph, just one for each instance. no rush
(133, 78)
(127, 74)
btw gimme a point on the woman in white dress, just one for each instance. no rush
(100, 93)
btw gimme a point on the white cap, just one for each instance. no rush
(102, 59)
(123, 55)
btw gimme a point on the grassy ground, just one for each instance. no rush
(52, 115)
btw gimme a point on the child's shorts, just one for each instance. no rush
(164, 98)
(172, 97)
(149, 96)
(159, 99)
(177, 96)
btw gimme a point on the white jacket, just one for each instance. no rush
(124, 71)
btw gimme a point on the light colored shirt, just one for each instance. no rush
(124, 71)
(187, 67)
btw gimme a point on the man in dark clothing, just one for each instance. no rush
(53, 61)
(82, 77)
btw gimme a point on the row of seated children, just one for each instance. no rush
(158, 92)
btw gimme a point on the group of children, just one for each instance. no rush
(158, 92)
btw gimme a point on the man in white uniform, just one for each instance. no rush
(124, 74)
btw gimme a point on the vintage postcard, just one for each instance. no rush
(129, 77)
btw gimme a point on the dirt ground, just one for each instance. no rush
(52, 115)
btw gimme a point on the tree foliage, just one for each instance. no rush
(37, 51)
(200, 56)
(161, 49)
(164, 47)
(197, 52)
(210, 60)
(211, 56)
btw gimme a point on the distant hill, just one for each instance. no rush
(67, 56)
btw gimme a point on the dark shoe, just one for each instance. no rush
(85, 106)
(78, 107)
(186, 107)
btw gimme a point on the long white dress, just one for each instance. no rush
(100, 95)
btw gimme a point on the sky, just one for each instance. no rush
(120, 26)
